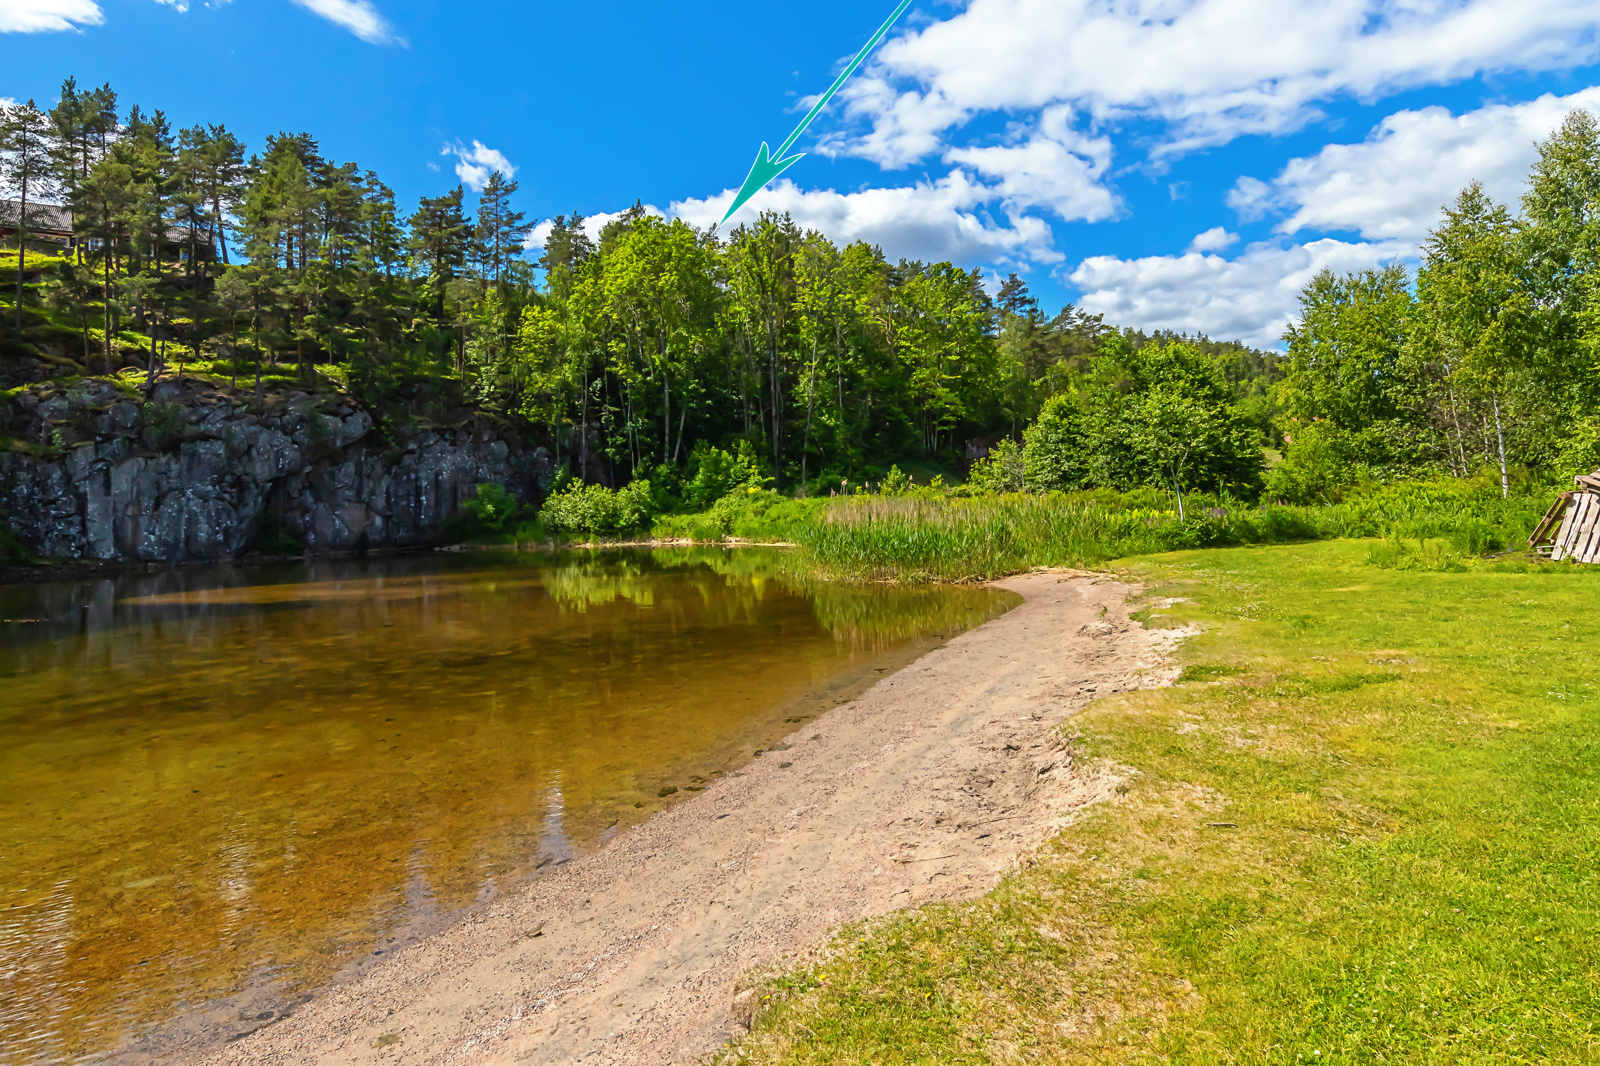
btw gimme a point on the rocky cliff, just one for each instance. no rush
(199, 472)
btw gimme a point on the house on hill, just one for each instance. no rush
(47, 223)
(51, 224)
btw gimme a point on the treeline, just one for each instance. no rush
(1487, 357)
(621, 354)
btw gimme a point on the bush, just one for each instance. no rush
(714, 473)
(1474, 536)
(492, 516)
(596, 510)
(1317, 467)
(895, 483)
(1056, 448)
(1002, 470)
(754, 514)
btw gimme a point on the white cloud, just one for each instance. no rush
(46, 16)
(1250, 298)
(936, 220)
(180, 5)
(1056, 168)
(1207, 70)
(1251, 198)
(1214, 239)
(592, 225)
(360, 17)
(944, 219)
(475, 164)
(1392, 185)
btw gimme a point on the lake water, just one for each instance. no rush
(222, 789)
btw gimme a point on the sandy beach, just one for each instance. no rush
(927, 787)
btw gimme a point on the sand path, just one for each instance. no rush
(925, 788)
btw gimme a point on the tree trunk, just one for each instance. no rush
(106, 307)
(811, 404)
(777, 413)
(218, 238)
(1500, 437)
(583, 431)
(1455, 420)
(150, 374)
(22, 247)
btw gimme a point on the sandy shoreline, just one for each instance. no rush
(924, 788)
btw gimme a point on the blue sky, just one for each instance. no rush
(1170, 163)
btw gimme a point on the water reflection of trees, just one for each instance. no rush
(219, 773)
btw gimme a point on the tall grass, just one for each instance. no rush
(932, 538)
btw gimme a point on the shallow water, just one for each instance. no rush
(222, 789)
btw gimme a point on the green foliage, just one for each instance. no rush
(1057, 447)
(1003, 470)
(1396, 554)
(595, 510)
(1158, 415)
(161, 424)
(895, 483)
(953, 538)
(1320, 464)
(642, 352)
(1490, 364)
(714, 473)
(492, 516)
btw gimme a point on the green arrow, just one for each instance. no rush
(769, 165)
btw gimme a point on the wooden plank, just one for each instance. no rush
(1587, 481)
(1560, 550)
(1589, 550)
(1541, 532)
(1572, 527)
(1588, 547)
(1584, 544)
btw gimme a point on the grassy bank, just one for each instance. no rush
(945, 538)
(1363, 828)
(939, 535)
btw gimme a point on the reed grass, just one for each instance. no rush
(947, 538)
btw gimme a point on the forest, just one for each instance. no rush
(657, 348)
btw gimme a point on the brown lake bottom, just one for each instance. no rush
(220, 790)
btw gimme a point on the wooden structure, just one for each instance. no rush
(47, 223)
(1571, 528)
(51, 224)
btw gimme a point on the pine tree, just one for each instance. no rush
(26, 145)
(439, 238)
(499, 233)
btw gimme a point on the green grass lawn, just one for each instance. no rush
(1409, 759)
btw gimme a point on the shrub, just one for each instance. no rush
(1002, 470)
(492, 516)
(895, 483)
(597, 510)
(1317, 467)
(715, 473)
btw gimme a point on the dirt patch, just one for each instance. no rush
(925, 788)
